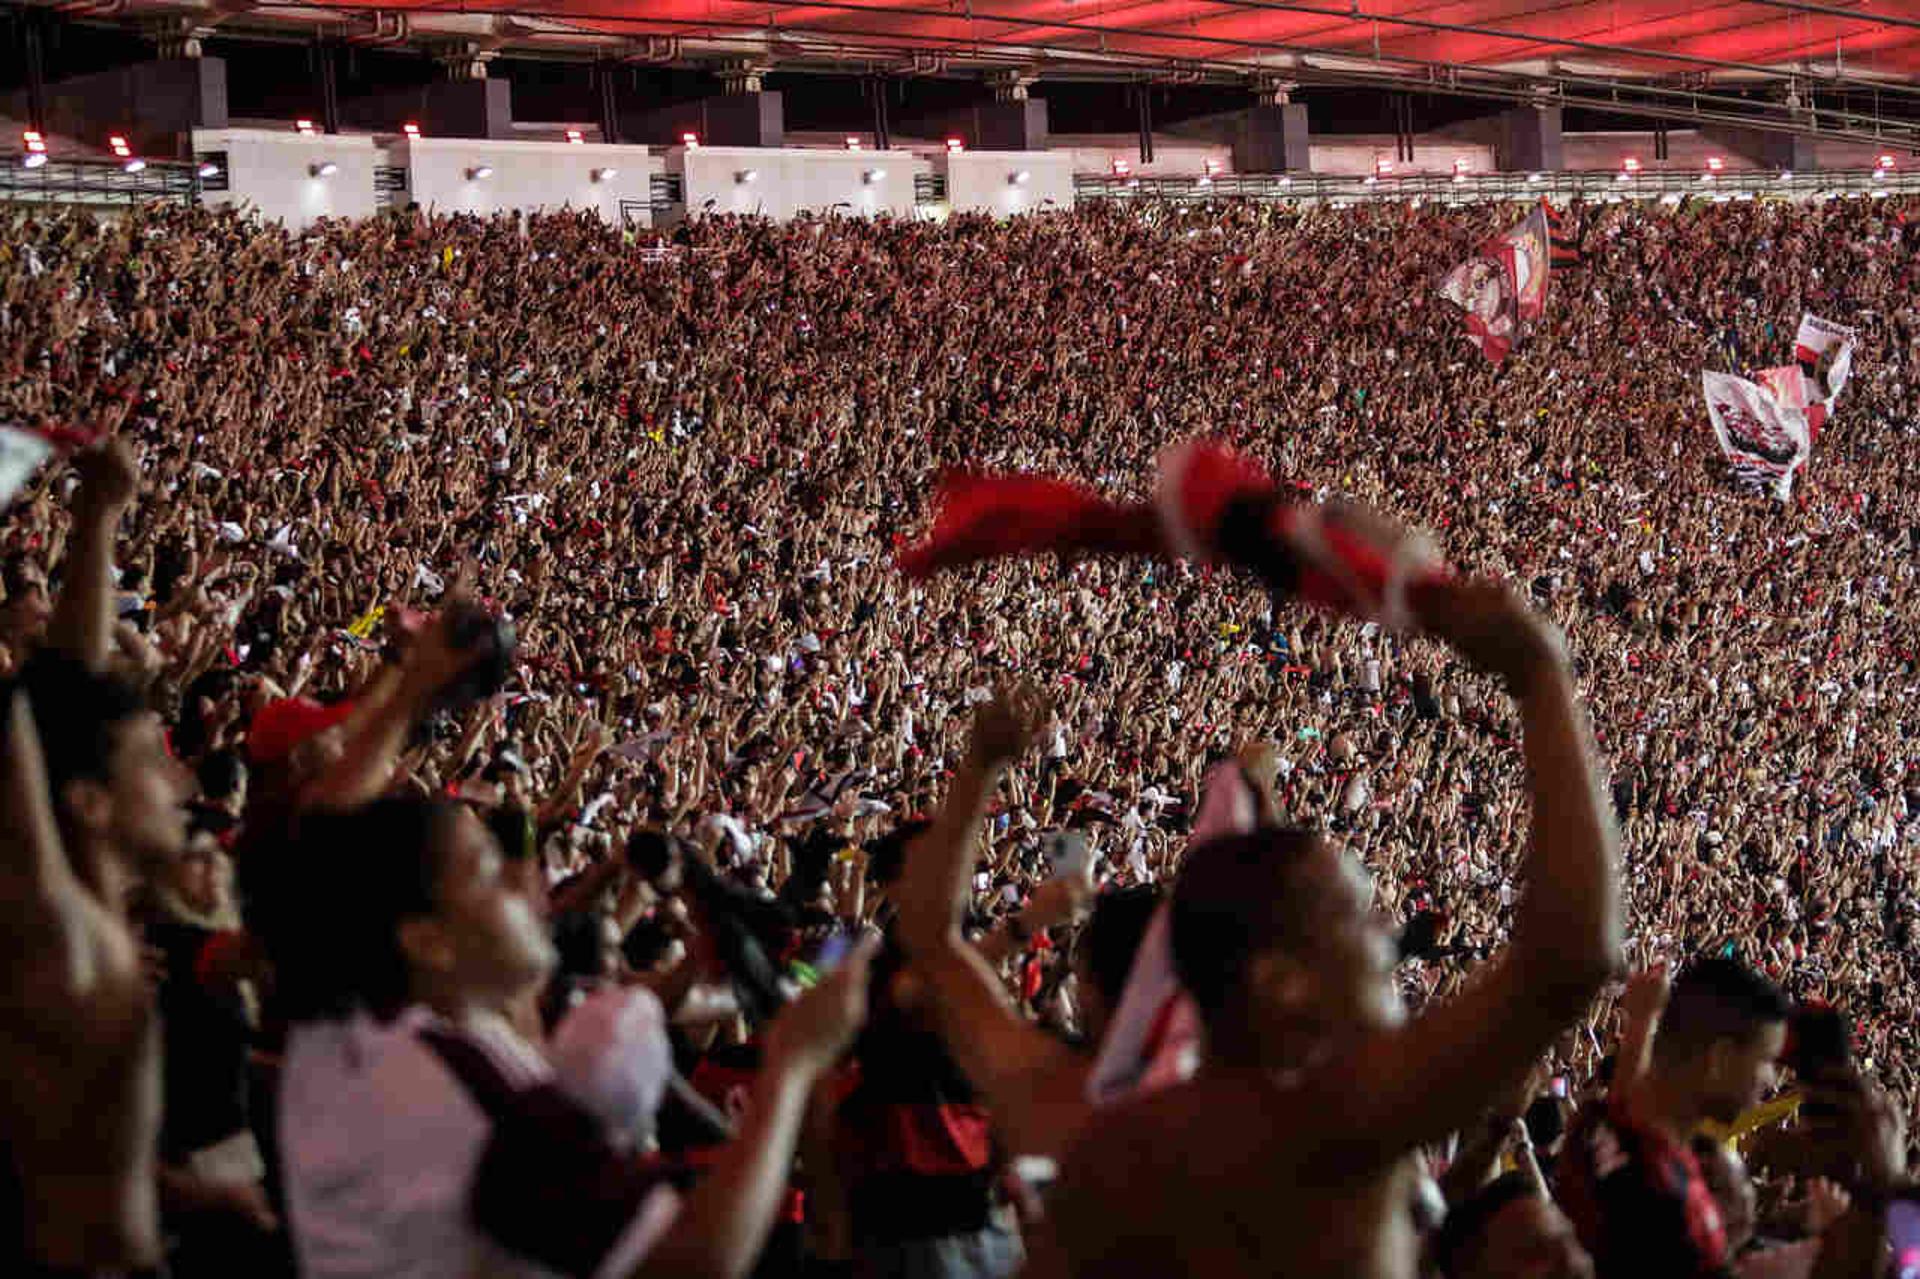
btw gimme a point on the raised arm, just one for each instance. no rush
(79, 1062)
(1422, 1081)
(377, 732)
(1640, 1009)
(1033, 1083)
(724, 1222)
(592, 741)
(1853, 1244)
(82, 622)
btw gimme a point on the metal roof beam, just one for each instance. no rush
(1453, 78)
(1834, 11)
(1358, 15)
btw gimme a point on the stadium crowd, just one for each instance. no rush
(682, 469)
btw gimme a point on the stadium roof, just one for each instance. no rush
(1784, 61)
(1854, 39)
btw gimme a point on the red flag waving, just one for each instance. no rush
(1211, 505)
(984, 517)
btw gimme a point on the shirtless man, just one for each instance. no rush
(89, 799)
(79, 1056)
(1289, 1152)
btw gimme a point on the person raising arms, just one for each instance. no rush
(1290, 1150)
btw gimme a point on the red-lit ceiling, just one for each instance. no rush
(1729, 39)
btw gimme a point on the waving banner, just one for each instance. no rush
(1525, 249)
(1479, 288)
(1502, 289)
(1765, 440)
(21, 453)
(1790, 386)
(1824, 351)
(1563, 231)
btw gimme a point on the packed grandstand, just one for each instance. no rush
(681, 469)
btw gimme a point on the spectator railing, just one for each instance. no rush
(98, 182)
(1608, 185)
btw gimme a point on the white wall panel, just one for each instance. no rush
(787, 182)
(272, 171)
(526, 175)
(980, 181)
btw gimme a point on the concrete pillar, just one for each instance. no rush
(735, 120)
(1269, 138)
(154, 105)
(1529, 141)
(1014, 125)
(749, 119)
(1785, 151)
(446, 109)
(466, 104)
(1013, 121)
(745, 115)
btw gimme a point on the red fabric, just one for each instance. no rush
(1356, 580)
(929, 1140)
(1031, 978)
(1209, 479)
(281, 726)
(985, 516)
(730, 1087)
(221, 953)
(1637, 1198)
(1343, 560)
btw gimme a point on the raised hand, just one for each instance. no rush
(79, 1059)
(1059, 900)
(109, 473)
(1872, 1122)
(1007, 724)
(1487, 623)
(1645, 996)
(810, 1033)
(1827, 1202)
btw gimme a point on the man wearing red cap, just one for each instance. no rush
(285, 726)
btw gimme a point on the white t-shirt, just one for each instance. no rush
(381, 1142)
(612, 1054)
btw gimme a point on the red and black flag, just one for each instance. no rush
(1563, 237)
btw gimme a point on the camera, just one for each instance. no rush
(489, 642)
(1819, 1041)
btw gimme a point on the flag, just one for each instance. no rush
(21, 453)
(1525, 250)
(1479, 288)
(1563, 239)
(1502, 288)
(1824, 351)
(1790, 385)
(1765, 441)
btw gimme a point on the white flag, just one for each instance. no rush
(1825, 351)
(1764, 440)
(21, 453)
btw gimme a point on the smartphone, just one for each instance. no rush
(1066, 854)
(832, 951)
(1557, 1086)
(1903, 1232)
